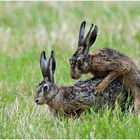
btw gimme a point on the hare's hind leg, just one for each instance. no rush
(130, 83)
(104, 84)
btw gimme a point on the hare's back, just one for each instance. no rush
(84, 92)
(108, 53)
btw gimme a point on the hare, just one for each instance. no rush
(105, 62)
(73, 100)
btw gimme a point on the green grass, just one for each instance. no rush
(27, 28)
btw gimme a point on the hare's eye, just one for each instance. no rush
(45, 87)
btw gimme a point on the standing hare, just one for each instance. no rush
(104, 62)
(73, 100)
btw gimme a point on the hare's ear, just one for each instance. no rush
(43, 64)
(90, 38)
(86, 40)
(52, 66)
(93, 36)
(53, 62)
(81, 33)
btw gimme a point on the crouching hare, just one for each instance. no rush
(73, 100)
(105, 62)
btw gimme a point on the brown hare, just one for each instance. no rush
(73, 100)
(105, 62)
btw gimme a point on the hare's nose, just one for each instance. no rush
(37, 101)
(73, 77)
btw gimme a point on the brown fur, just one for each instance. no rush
(116, 64)
(105, 62)
(73, 100)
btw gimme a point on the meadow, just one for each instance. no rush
(27, 28)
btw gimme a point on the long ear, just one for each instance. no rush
(53, 61)
(52, 66)
(81, 33)
(43, 64)
(86, 40)
(91, 38)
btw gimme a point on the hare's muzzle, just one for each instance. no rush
(72, 76)
(76, 75)
(37, 101)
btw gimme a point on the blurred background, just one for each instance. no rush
(27, 28)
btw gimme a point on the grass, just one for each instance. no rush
(27, 28)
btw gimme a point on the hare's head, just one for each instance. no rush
(46, 89)
(79, 61)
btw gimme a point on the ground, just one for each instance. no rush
(27, 28)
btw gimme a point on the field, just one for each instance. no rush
(27, 28)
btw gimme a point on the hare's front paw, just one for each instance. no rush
(100, 88)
